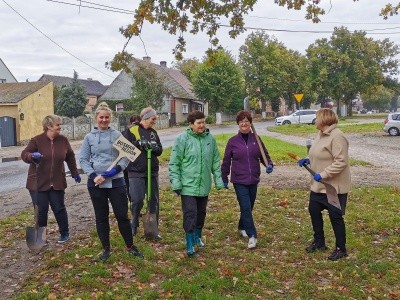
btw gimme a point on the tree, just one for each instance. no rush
(270, 70)
(219, 80)
(348, 64)
(72, 99)
(148, 88)
(378, 98)
(186, 66)
(204, 16)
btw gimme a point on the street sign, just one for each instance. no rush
(298, 97)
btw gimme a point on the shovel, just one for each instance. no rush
(36, 236)
(331, 193)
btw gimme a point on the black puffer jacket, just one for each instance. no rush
(138, 168)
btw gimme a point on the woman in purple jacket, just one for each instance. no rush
(242, 160)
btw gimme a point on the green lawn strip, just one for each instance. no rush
(278, 269)
(306, 130)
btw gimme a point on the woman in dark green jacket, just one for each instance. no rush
(194, 158)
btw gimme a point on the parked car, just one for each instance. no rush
(305, 116)
(392, 124)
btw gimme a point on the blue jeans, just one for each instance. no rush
(246, 196)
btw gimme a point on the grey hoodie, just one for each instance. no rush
(97, 154)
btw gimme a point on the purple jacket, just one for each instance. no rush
(243, 160)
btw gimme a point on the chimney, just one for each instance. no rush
(147, 59)
(163, 63)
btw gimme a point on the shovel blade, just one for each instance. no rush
(35, 238)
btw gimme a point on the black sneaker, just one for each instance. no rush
(63, 238)
(314, 246)
(337, 254)
(105, 255)
(135, 251)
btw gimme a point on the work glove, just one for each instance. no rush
(110, 173)
(226, 185)
(269, 168)
(317, 177)
(178, 192)
(145, 144)
(36, 156)
(303, 161)
(77, 178)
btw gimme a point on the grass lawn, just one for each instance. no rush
(278, 268)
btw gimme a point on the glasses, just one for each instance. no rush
(244, 122)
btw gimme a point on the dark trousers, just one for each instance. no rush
(119, 203)
(319, 202)
(194, 212)
(246, 196)
(56, 201)
(138, 193)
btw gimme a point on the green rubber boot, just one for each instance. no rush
(190, 244)
(197, 238)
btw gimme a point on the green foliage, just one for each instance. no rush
(270, 70)
(219, 80)
(378, 98)
(148, 88)
(72, 99)
(186, 66)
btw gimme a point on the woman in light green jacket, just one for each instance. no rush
(194, 158)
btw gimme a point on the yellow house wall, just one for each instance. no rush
(34, 107)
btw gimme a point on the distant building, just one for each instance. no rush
(5, 74)
(93, 88)
(179, 101)
(22, 109)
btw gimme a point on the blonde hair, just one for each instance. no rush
(147, 113)
(327, 117)
(103, 106)
(49, 121)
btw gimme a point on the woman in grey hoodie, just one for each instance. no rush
(96, 155)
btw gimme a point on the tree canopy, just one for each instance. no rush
(219, 81)
(182, 16)
(72, 99)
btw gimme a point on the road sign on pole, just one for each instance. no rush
(298, 97)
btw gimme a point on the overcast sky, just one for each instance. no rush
(48, 37)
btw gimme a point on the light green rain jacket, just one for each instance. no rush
(194, 158)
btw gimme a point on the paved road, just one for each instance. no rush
(379, 150)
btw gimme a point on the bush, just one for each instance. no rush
(211, 119)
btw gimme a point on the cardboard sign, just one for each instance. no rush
(126, 149)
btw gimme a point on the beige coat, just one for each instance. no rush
(329, 156)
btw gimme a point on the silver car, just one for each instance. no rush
(392, 124)
(305, 116)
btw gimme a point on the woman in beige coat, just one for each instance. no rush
(329, 158)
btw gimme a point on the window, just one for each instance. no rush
(185, 108)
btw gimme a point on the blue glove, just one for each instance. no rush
(303, 161)
(77, 178)
(269, 169)
(110, 173)
(178, 192)
(317, 177)
(226, 185)
(36, 156)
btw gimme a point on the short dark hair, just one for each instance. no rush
(243, 114)
(135, 118)
(195, 115)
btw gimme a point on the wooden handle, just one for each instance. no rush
(294, 156)
(264, 157)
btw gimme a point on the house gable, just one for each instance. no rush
(5, 74)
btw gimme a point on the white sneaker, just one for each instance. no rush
(243, 233)
(252, 243)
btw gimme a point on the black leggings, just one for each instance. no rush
(319, 202)
(119, 203)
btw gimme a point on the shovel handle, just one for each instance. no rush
(294, 156)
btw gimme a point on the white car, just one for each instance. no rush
(305, 116)
(392, 124)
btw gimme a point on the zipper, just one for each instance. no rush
(52, 161)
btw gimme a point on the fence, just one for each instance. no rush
(77, 128)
